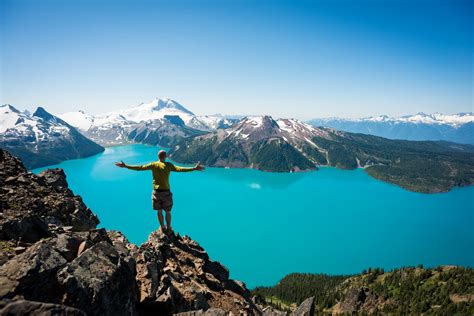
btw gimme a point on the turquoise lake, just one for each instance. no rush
(264, 225)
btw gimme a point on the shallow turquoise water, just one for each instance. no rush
(263, 225)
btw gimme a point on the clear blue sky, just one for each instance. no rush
(299, 59)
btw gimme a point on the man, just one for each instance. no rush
(162, 197)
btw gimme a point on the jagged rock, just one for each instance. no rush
(29, 228)
(32, 273)
(56, 178)
(52, 254)
(270, 311)
(209, 312)
(356, 299)
(31, 308)
(99, 281)
(30, 202)
(94, 281)
(126, 249)
(175, 275)
(306, 308)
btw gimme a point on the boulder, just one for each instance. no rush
(30, 202)
(31, 308)
(306, 308)
(175, 275)
(209, 312)
(356, 299)
(28, 228)
(100, 282)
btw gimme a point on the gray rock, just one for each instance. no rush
(30, 202)
(175, 274)
(355, 298)
(32, 273)
(270, 311)
(306, 308)
(99, 281)
(31, 308)
(209, 312)
(29, 228)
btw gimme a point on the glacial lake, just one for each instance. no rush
(264, 225)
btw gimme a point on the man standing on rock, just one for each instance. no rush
(162, 197)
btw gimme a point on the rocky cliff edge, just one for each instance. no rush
(53, 259)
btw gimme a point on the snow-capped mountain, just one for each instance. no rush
(419, 118)
(258, 142)
(258, 127)
(211, 122)
(455, 127)
(114, 128)
(283, 145)
(164, 132)
(150, 111)
(41, 138)
(78, 119)
(156, 109)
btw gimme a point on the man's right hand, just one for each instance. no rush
(120, 164)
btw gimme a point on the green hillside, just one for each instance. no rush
(445, 290)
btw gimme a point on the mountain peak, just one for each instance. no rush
(167, 103)
(10, 107)
(258, 121)
(42, 113)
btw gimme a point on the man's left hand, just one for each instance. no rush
(198, 167)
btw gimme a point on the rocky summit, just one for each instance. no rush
(54, 260)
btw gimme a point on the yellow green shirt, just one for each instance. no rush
(161, 172)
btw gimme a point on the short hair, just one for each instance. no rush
(161, 152)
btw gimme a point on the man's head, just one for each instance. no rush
(162, 155)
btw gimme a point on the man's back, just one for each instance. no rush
(162, 198)
(161, 172)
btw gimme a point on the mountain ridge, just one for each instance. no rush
(41, 138)
(154, 122)
(287, 145)
(455, 127)
(153, 110)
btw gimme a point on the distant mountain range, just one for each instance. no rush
(457, 128)
(260, 142)
(285, 145)
(41, 138)
(159, 122)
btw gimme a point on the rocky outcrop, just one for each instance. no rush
(79, 269)
(31, 203)
(175, 274)
(53, 259)
(306, 308)
(356, 299)
(31, 308)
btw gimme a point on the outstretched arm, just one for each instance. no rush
(187, 169)
(122, 164)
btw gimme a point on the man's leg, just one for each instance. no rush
(168, 219)
(160, 219)
(167, 205)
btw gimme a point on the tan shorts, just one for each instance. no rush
(162, 200)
